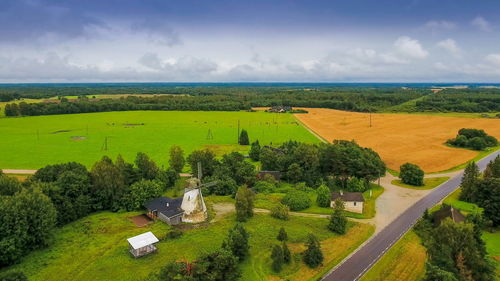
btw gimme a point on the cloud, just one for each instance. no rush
(493, 58)
(481, 23)
(435, 25)
(178, 68)
(409, 47)
(451, 46)
(157, 31)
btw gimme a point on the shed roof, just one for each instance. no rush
(167, 206)
(142, 240)
(348, 196)
(447, 211)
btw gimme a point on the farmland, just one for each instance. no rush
(32, 142)
(99, 241)
(401, 138)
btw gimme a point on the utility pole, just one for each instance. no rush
(370, 119)
(238, 132)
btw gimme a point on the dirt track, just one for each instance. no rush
(400, 138)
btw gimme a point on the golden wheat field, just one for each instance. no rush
(400, 138)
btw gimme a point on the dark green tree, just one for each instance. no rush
(488, 198)
(411, 174)
(141, 192)
(9, 185)
(324, 196)
(294, 173)
(243, 139)
(287, 256)
(244, 203)
(147, 168)
(434, 273)
(282, 235)
(207, 160)
(312, 256)
(469, 182)
(129, 174)
(477, 143)
(237, 242)
(277, 258)
(254, 152)
(493, 168)
(338, 221)
(13, 276)
(176, 160)
(108, 185)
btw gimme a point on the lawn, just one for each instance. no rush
(429, 183)
(267, 201)
(33, 142)
(99, 243)
(404, 261)
(452, 200)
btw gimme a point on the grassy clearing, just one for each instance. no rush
(32, 142)
(404, 261)
(429, 183)
(267, 201)
(99, 242)
(453, 200)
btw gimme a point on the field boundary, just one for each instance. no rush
(310, 130)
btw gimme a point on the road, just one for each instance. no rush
(354, 266)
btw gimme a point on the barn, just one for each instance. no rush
(165, 209)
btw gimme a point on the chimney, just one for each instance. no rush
(168, 204)
(341, 193)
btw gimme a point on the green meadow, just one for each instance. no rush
(95, 247)
(33, 142)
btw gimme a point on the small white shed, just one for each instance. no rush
(142, 244)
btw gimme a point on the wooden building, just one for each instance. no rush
(165, 209)
(142, 244)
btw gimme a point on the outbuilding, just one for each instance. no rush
(142, 244)
(165, 209)
(353, 201)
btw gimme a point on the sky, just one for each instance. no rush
(249, 41)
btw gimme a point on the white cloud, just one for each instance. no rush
(493, 58)
(451, 46)
(440, 25)
(481, 23)
(409, 47)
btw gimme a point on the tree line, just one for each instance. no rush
(59, 194)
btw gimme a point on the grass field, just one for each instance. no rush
(95, 248)
(404, 261)
(32, 142)
(429, 183)
(401, 138)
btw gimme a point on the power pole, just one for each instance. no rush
(238, 132)
(370, 119)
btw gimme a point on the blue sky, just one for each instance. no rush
(209, 41)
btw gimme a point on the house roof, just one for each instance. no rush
(447, 211)
(167, 206)
(142, 240)
(348, 196)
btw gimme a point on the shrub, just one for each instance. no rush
(338, 221)
(254, 152)
(297, 200)
(244, 203)
(323, 198)
(411, 174)
(264, 187)
(243, 140)
(13, 276)
(282, 235)
(174, 234)
(287, 256)
(313, 256)
(280, 211)
(477, 143)
(277, 257)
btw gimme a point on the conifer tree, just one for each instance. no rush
(287, 256)
(282, 235)
(255, 151)
(469, 182)
(338, 221)
(277, 257)
(243, 140)
(313, 256)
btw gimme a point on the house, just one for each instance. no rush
(275, 174)
(142, 244)
(280, 109)
(165, 209)
(447, 211)
(353, 201)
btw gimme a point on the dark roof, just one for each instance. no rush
(167, 206)
(447, 211)
(348, 196)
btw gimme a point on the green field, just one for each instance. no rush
(95, 247)
(33, 142)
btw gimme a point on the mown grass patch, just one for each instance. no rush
(429, 183)
(404, 261)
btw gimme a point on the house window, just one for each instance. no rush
(354, 203)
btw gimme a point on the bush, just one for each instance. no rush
(282, 235)
(264, 187)
(411, 174)
(277, 257)
(297, 200)
(280, 211)
(174, 234)
(243, 140)
(323, 198)
(13, 276)
(477, 143)
(356, 185)
(338, 221)
(474, 139)
(313, 256)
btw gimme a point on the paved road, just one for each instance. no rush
(354, 266)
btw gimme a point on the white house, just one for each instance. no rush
(142, 244)
(353, 201)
